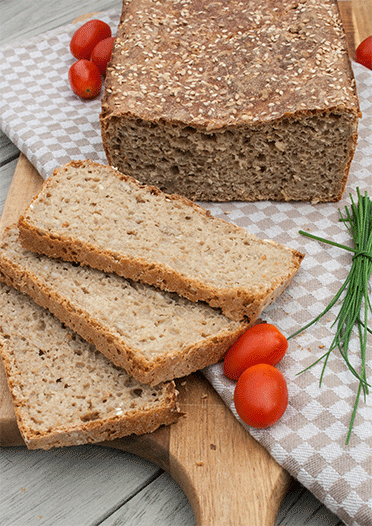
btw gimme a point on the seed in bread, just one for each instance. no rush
(230, 100)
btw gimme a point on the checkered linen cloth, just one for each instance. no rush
(51, 126)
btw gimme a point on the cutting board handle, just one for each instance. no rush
(226, 475)
(228, 478)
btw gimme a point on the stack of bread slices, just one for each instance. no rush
(110, 290)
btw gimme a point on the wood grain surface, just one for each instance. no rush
(357, 21)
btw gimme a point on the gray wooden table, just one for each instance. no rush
(91, 485)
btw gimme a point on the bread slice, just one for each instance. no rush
(232, 100)
(94, 215)
(155, 336)
(64, 391)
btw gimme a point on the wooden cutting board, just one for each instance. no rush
(224, 472)
(227, 476)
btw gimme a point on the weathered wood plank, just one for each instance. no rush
(22, 19)
(6, 176)
(8, 151)
(161, 502)
(74, 486)
(300, 507)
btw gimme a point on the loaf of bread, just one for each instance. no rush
(155, 336)
(228, 100)
(94, 215)
(64, 391)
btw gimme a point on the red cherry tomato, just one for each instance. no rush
(262, 343)
(101, 54)
(87, 37)
(261, 395)
(363, 53)
(85, 79)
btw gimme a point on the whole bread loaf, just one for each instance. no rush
(64, 391)
(155, 336)
(229, 100)
(94, 215)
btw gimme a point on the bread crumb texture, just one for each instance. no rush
(224, 100)
(65, 392)
(90, 210)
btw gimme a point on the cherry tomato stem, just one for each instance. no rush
(85, 79)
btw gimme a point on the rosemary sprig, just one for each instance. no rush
(353, 295)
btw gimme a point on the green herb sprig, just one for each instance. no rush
(353, 295)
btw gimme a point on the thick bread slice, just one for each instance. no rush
(92, 214)
(64, 391)
(153, 335)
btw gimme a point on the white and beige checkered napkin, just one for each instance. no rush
(50, 125)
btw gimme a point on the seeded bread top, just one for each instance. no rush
(226, 63)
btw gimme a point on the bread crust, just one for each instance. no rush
(291, 26)
(237, 302)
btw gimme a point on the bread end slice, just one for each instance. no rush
(64, 391)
